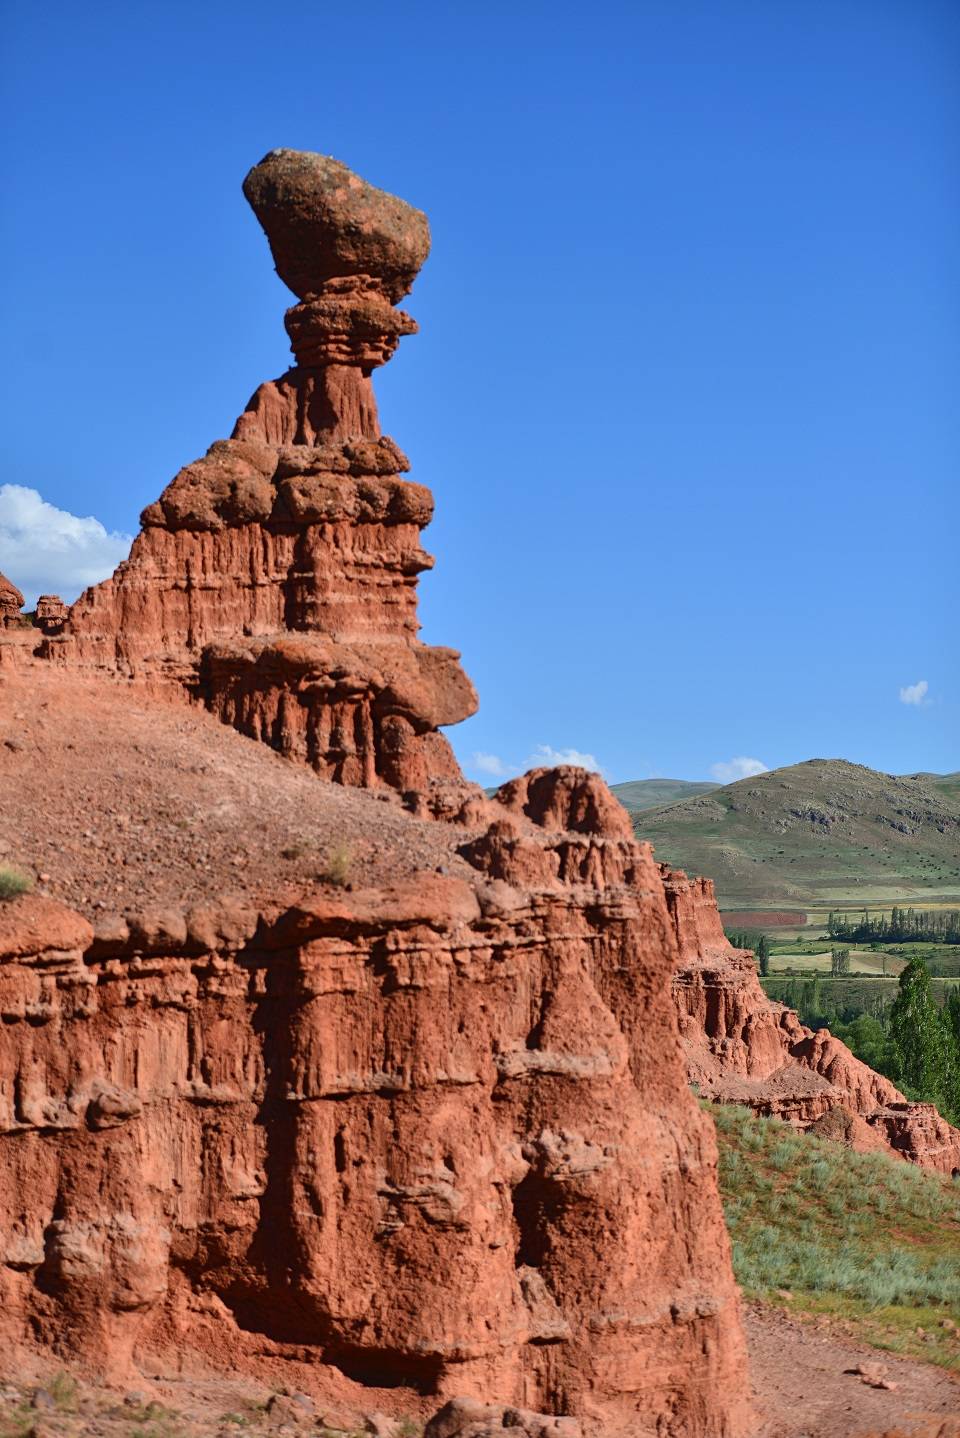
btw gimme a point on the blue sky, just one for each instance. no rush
(685, 386)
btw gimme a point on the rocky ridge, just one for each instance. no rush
(812, 834)
(413, 1138)
(742, 1047)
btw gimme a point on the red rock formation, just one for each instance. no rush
(742, 1047)
(11, 601)
(51, 613)
(437, 1135)
(276, 577)
(567, 798)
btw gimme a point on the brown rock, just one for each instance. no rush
(33, 926)
(275, 578)
(51, 613)
(563, 1174)
(324, 222)
(11, 601)
(467, 1418)
(567, 798)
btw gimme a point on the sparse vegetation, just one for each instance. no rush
(338, 865)
(863, 1237)
(13, 883)
(63, 1390)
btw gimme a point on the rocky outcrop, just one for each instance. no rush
(432, 1139)
(51, 613)
(435, 1136)
(742, 1047)
(466, 1418)
(11, 601)
(566, 798)
(275, 578)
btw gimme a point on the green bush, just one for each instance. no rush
(339, 861)
(13, 883)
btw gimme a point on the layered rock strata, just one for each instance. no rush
(742, 1047)
(435, 1138)
(51, 613)
(275, 578)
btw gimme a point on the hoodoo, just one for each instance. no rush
(276, 577)
(413, 1140)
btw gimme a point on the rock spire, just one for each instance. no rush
(276, 577)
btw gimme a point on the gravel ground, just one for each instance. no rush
(805, 1386)
(802, 1384)
(111, 799)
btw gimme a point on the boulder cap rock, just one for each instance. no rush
(324, 222)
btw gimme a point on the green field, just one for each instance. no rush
(819, 962)
(868, 1239)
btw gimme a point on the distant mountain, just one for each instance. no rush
(817, 833)
(639, 794)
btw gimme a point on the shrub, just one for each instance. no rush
(339, 860)
(13, 883)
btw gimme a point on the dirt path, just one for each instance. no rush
(803, 1388)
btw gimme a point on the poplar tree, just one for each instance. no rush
(919, 1035)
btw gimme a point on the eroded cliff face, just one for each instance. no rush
(436, 1136)
(433, 1139)
(742, 1047)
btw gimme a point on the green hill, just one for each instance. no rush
(639, 794)
(948, 784)
(817, 833)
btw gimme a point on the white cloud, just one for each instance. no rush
(739, 768)
(546, 756)
(46, 550)
(915, 693)
(488, 764)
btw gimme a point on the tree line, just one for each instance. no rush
(921, 926)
